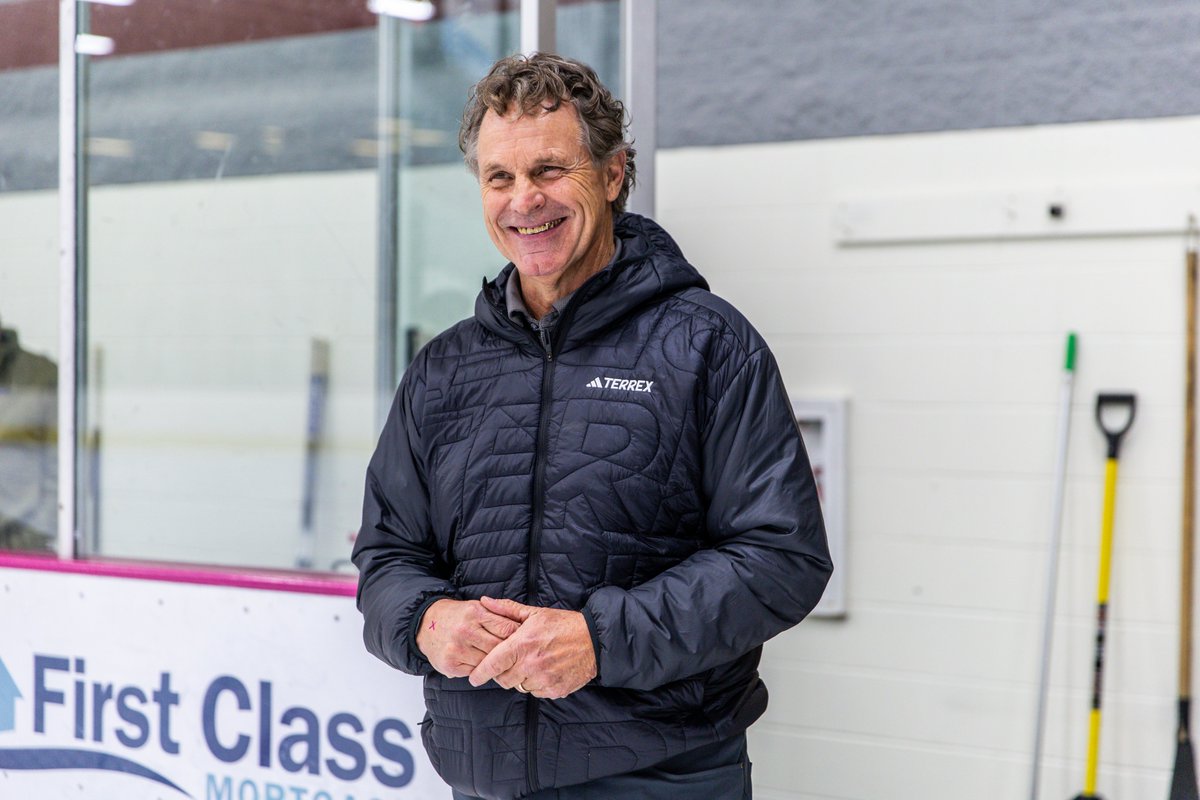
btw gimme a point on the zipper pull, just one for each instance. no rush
(545, 337)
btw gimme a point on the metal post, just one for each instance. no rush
(388, 245)
(68, 272)
(639, 62)
(537, 26)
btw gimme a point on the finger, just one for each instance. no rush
(470, 657)
(456, 671)
(507, 608)
(519, 675)
(499, 626)
(482, 639)
(467, 663)
(500, 660)
(459, 661)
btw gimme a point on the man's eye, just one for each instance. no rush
(550, 171)
(498, 178)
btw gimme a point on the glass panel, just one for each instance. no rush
(28, 273)
(591, 32)
(444, 249)
(443, 245)
(230, 339)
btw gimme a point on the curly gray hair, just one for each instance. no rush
(546, 81)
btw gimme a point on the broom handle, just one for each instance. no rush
(1189, 492)
(1066, 391)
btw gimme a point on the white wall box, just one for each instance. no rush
(823, 424)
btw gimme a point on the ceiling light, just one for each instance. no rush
(89, 44)
(414, 10)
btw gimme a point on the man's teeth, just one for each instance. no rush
(539, 228)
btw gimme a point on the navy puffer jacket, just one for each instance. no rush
(646, 470)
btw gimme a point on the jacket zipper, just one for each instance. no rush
(541, 455)
(547, 341)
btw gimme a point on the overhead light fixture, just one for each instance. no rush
(412, 10)
(214, 140)
(106, 146)
(89, 44)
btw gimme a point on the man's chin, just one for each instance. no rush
(530, 268)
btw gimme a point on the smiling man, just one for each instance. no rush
(590, 505)
(548, 207)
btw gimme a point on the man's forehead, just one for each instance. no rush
(543, 108)
(538, 134)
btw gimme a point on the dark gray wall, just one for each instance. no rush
(782, 70)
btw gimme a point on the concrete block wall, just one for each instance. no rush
(950, 354)
(785, 70)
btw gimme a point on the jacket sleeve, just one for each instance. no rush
(766, 563)
(400, 573)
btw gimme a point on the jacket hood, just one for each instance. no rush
(651, 266)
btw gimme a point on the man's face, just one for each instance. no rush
(545, 204)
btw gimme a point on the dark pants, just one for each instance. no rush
(719, 771)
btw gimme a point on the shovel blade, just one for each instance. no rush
(1183, 778)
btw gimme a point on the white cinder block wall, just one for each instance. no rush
(950, 353)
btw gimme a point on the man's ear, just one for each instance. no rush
(614, 176)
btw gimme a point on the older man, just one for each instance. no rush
(590, 505)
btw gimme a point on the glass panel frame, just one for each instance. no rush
(74, 451)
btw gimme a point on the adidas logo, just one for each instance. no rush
(620, 384)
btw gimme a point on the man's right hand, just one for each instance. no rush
(455, 635)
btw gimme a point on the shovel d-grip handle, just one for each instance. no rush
(1115, 400)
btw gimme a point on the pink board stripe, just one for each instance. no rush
(171, 573)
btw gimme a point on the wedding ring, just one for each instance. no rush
(521, 688)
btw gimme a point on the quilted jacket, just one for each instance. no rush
(645, 469)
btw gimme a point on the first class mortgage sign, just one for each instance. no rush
(97, 717)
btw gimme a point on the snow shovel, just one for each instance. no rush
(1113, 435)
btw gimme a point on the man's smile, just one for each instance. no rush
(545, 226)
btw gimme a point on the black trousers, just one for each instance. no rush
(718, 771)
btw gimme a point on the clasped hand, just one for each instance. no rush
(546, 652)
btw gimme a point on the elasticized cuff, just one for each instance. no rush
(591, 626)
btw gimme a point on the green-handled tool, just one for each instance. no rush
(1065, 395)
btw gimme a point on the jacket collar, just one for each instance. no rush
(650, 266)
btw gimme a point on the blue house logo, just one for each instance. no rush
(9, 694)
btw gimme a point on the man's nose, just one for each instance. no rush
(527, 196)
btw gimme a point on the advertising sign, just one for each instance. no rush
(116, 688)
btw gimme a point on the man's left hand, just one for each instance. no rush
(549, 656)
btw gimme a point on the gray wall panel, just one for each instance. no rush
(733, 73)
